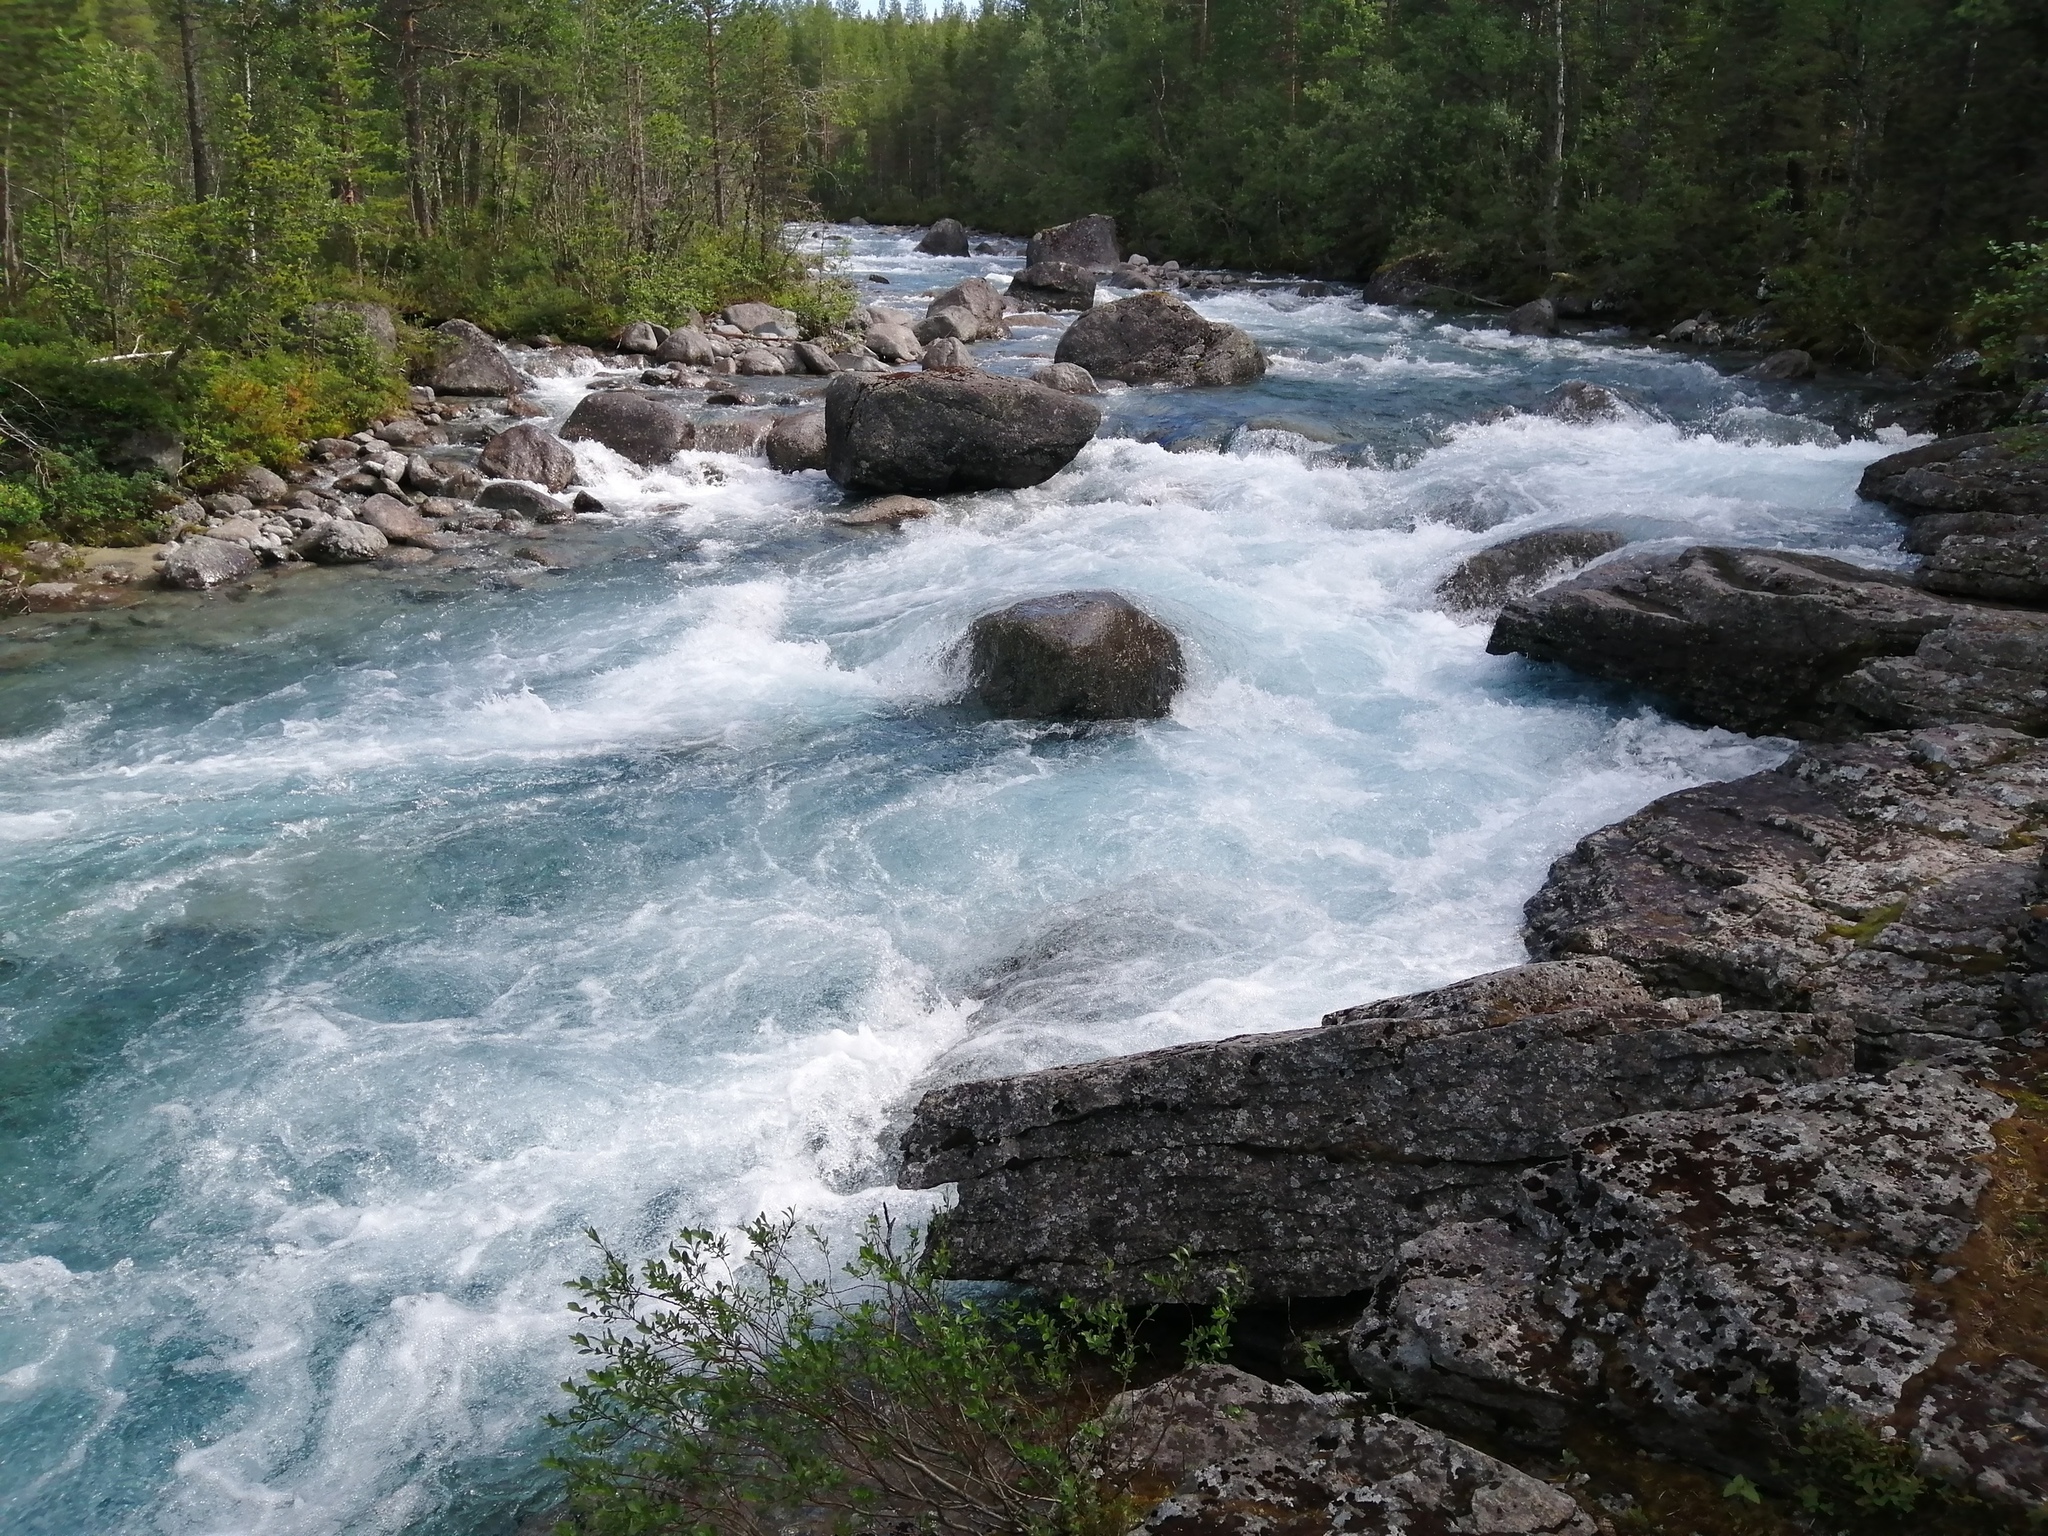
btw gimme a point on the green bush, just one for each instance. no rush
(2014, 305)
(734, 1391)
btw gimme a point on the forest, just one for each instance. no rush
(185, 183)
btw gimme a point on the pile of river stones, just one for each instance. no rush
(1757, 1136)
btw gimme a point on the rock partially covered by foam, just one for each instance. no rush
(646, 431)
(1159, 338)
(529, 451)
(1238, 1454)
(1075, 656)
(1482, 583)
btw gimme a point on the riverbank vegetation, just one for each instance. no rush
(181, 179)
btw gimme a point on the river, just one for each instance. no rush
(364, 940)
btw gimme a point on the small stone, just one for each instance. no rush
(886, 511)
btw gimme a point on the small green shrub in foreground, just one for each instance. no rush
(742, 1392)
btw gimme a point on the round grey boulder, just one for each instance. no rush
(1538, 317)
(263, 487)
(969, 311)
(200, 563)
(527, 500)
(342, 541)
(925, 434)
(691, 347)
(1159, 338)
(467, 362)
(395, 519)
(946, 353)
(632, 426)
(1074, 656)
(529, 451)
(796, 443)
(948, 237)
(1067, 378)
(637, 337)
(760, 362)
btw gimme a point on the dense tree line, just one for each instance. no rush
(1845, 163)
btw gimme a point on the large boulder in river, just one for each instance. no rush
(796, 442)
(692, 348)
(947, 237)
(1074, 656)
(1089, 241)
(1538, 317)
(467, 362)
(646, 431)
(1219, 1443)
(1159, 338)
(1303, 1160)
(1482, 583)
(2003, 473)
(763, 320)
(529, 451)
(1749, 639)
(944, 354)
(926, 434)
(1054, 285)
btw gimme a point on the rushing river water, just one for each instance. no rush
(365, 939)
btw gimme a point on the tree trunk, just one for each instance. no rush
(202, 173)
(1553, 254)
(415, 123)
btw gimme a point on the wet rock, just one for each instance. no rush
(930, 433)
(1786, 365)
(200, 563)
(948, 237)
(1579, 402)
(1160, 338)
(692, 348)
(1994, 472)
(760, 362)
(1055, 285)
(763, 320)
(341, 541)
(467, 362)
(1089, 241)
(1068, 378)
(2009, 567)
(1887, 881)
(1702, 1280)
(1074, 656)
(1748, 639)
(1538, 317)
(797, 442)
(395, 519)
(1482, 583)
(1406, 280)
(1235, 1454)
(887, 511)
(946, 353)
(645, 431)
(1305, 1159)
(733, 434)
(1988, 667)
(981, 305)
(529, 451)
(638, 337)
(527, 500)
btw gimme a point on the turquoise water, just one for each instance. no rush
(365, 939)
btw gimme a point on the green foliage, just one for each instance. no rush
(734, 1390)
(2015, 304)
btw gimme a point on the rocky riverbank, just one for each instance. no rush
(1754, 1143)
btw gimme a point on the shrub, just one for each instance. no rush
(732, 1393)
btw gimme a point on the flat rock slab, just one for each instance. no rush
(1233, 1455)
(1303, 1160)
(1889, 880)
(1771, 643)
(1704, 1280)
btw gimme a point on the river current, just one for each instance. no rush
(365, 939)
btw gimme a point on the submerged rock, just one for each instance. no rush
(1482, 583)
(527, 500)
(529, 451)
(931, 433)
(1888, 881)
(1702, 1281)
(887, 511)
(1579, 402)
(1074, 656)
(1788, 364)
(1235, 1454)
(645, 431)
(1304, 1159)
(947, 237)
(199, 563)
(1160, 338)
(1089, 241)
(1054, 285)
